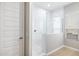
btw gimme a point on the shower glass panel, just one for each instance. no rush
(38, 30)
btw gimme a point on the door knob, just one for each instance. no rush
(20, 37)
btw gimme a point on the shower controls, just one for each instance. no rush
(35, 30)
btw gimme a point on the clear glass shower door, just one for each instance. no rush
(38, 31)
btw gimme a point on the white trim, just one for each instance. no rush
(30, 30)
(71, 48)
(43, 54)
(62, 47)
(55, 50)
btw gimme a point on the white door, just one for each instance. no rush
(10, 29)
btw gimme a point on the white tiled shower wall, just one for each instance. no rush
(72, 23)
(54, 36)
(44, 39)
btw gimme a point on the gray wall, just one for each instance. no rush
(72, 23)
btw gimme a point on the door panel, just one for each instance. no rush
(9, 28)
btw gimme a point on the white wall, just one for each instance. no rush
(72, 23)
(54, 37)
(38, 24)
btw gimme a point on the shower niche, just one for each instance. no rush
(72, 34)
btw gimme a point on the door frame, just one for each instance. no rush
(27, 29)
(21, 27)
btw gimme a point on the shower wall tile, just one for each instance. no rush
(72, 24)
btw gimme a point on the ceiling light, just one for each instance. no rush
(48, 5)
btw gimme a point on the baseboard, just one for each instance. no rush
(71, 48)
(62, 47)
(55, 50)
(43, 54)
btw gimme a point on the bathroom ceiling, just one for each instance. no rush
(51, 5)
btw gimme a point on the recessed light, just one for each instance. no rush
(48, 5)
